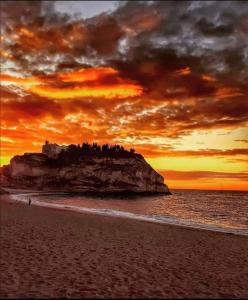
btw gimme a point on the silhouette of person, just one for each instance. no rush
(29, 201)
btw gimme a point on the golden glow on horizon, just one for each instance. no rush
(196, 163)
(213, 138)
(208, 184)
(4, 160)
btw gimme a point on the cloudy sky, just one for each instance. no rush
(168, 78)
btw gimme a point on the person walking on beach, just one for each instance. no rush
(29, 201)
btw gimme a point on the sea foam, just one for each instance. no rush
(167, 220)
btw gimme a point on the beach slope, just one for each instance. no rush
(53, 253)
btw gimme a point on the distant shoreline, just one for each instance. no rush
(116, 194)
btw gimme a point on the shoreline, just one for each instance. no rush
(121, 214)
(117, 194)
(48, 252)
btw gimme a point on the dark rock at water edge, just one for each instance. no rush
(95, 174)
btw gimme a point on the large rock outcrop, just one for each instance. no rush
(88, 174)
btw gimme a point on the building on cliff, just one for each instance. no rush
(83, 169)
(52, 150)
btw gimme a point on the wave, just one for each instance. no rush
(167, 220)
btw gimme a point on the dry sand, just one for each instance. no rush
(53, 253)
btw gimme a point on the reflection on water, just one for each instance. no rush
(220, 208)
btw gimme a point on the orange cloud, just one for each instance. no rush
(106, 83)
(90, 74)
(26, 32)
(226, 92)
(166, 151)
(23, 82)
(117, 91)
(5, 54)
(183, 71)
(208, 78)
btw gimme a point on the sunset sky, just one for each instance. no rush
(168, 78)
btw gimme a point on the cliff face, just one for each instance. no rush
(91, 174)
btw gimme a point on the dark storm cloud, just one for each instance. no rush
(21, 11)
(206, 36)
(35, 32)
(190, 57)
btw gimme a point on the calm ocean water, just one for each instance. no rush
(215, 209)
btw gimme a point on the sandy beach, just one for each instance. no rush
(53, 253)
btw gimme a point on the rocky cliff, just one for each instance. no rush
(88, 174)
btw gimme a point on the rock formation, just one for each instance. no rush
(75, 171)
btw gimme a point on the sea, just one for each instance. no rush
(224, 211)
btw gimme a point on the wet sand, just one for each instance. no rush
(54, 253)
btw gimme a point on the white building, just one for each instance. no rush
(52, 150)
